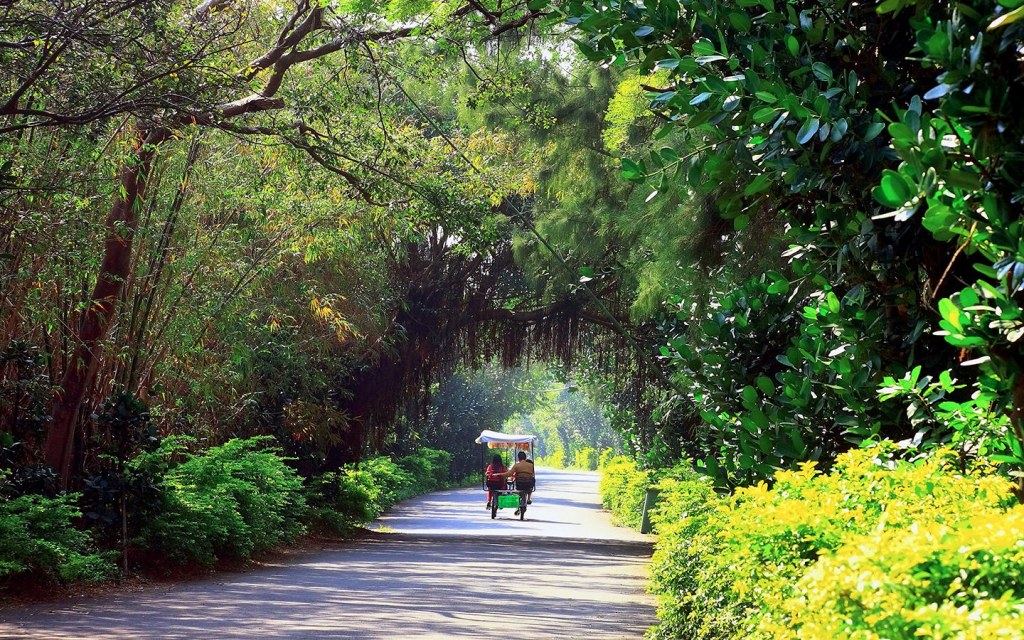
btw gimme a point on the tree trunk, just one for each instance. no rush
(99, 315)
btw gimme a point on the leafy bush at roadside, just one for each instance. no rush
(964, 581)
(430, 469)
(394, 482)
(623, 487)
(586, 458)
(37, 536)
(555, 460)
(877, 548)
(339, 502)
(342, 501)
(231, 501)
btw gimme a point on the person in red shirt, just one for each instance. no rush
(495, 474)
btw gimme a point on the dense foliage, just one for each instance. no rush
(879, 144)
(340, 501)
(229, 501)
(623, 487)
(877, 548)
(226, 502)
(255, 255)
(40, 540)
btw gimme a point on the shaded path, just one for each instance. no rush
(442, 573)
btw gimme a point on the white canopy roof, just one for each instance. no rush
(496, 439)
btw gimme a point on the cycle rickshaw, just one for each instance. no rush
(508, 496)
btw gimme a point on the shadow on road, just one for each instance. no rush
(448, 571)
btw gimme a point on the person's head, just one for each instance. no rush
(522, 455)
(496, 461)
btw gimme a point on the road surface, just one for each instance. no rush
(436, 567)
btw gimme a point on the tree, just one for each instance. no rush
(777, 119)
(213, 66)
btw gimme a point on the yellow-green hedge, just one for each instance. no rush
(623, 486)
(874, 549)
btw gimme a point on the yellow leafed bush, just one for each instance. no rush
(877, 548)
(927, 581)
(623, 486)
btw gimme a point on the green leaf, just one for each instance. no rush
(798, 441)
(821, 71)
(779, 286)
(793, 45)
(703, 47)
(968, 298)
(764, 383)
(1015, 445)
(950, 313)
(893, 191)
(631, 170)
(873, 130)
(765, 114)
(807, 131)
(758, 184)
(1007, 459)
(749, 394)
(832, 300)
(643, 31)
(740, 21)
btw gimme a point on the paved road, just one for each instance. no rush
(437, 567)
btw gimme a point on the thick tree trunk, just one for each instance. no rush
(99, 315)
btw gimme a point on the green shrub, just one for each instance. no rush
(555, 460)
(358, 495)
(938, 581)
(417, 468)
(440, 463)
(38, 537)
(341, 501)
(687, 544)
(430, 469)
(607, 455)
(234, 500)
(586, 458)
(623, 487)
(394, 482)
(875, 549)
